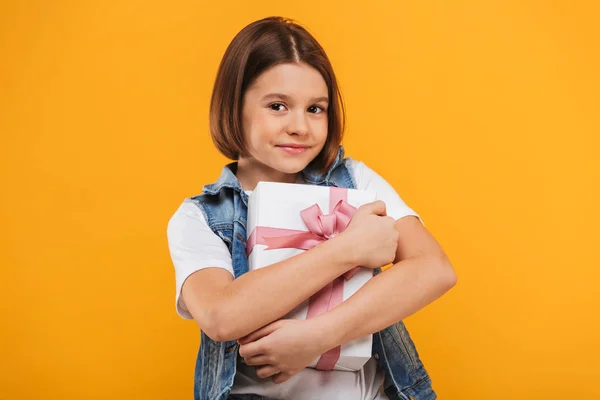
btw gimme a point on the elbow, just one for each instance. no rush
(450, 279)
(446, 276)
(216, 327)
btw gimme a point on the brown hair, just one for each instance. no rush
(257, 47)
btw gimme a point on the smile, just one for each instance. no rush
(292, 150)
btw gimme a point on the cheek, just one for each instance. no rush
(322, 128)
(265, 126)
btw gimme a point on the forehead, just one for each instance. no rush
(299, 80)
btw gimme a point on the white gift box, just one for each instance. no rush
(279, 205)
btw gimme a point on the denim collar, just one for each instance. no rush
(229, 180)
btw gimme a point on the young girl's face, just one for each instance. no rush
(284, 117)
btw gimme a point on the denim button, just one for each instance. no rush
(377, 356)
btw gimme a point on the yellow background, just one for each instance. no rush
(483, 115)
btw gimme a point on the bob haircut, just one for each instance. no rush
(257, 47)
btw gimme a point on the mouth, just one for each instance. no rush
(293, 148)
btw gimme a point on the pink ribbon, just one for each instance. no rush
(321, 227)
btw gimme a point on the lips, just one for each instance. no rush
(293, 148)
(293, 145)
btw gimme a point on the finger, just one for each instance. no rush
(251, 349)
(377, 207)
(280, 378)
(283, 376)
(257, 360)
(260, 333)
(266, 371)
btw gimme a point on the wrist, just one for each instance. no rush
(326, 333)
(345, 251)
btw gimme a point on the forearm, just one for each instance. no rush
(389, 297)
(267, 294)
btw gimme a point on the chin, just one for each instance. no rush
(289, 165)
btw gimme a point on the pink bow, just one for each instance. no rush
(320, 226)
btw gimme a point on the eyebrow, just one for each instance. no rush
(287, 98)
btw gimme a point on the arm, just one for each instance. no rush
(216, 300)
(421, 273)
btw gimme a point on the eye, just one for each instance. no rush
(316, 109)
(276, 106)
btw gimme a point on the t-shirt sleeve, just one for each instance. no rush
(193, 246)
(367, 179)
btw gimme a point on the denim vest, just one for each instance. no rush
(224, 205)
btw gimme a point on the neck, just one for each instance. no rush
(249, 172)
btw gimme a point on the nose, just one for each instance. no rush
(298, 125)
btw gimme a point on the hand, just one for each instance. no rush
(371, 236)
(283, 348)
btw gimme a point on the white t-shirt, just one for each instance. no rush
(194, 246)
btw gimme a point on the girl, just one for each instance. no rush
(277, 110)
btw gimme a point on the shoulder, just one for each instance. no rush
(369, 180)
(187, 218)
(189, 207)
(363, 175)
(352, 164)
